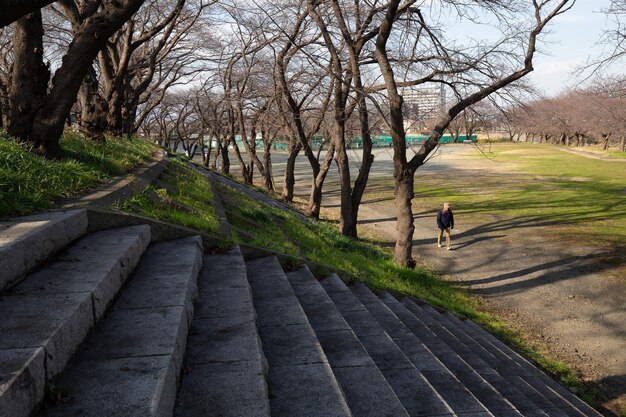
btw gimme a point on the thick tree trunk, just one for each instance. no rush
(622, 145)
(29, 79)
(129, 115)
(289, 180)
(403, 251)
(115, 102)
(93, 109)
(49, 120)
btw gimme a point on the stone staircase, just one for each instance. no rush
(113, 323)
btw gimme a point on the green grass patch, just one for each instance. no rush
(616, 154)
(181, 196)
(581, 198)
(30, 183)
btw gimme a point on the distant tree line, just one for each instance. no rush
(580, 117)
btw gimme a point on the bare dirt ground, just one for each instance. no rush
(566, 295)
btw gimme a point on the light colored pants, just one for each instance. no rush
(448, 242)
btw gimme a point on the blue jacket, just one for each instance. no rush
(445, 220)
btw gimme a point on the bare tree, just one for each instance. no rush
(459, 65)
(39, 104)
(12, 10)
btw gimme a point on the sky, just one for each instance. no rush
(573, 38)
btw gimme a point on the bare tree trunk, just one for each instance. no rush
(315, 198)
(208, 153)
(51, 114)
(268, 183)
(4, 106)
(29, 79)
(622, 145)
(225, 157)
(216, 155)
(605, 141)
(289, 179)
(93, 109)
(403, 251)
(343, 164)
(247, 171)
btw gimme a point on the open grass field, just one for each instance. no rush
(585, 197)
(30, 183)
(580, 198)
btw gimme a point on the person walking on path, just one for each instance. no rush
(445, 222)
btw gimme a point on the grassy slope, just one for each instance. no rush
(321, 242)
(29, 183)
(181, 196)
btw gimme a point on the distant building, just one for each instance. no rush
(421, 104)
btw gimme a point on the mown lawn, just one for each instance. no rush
(30, 183)
(581, 198)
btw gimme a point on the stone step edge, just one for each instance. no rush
(162, 403)
(339, 409)
(35, 375)
(52, 232)
(200, 366)
(399, 408)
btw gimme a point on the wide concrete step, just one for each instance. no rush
(524, 370)
(475, 383)
(540, 391)
(50, 313)
(499, 373)
(486, 366)
(415, 393)
(28, 241)
(224, 361)
(130, 365)
(301, 382)
(366, 390)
